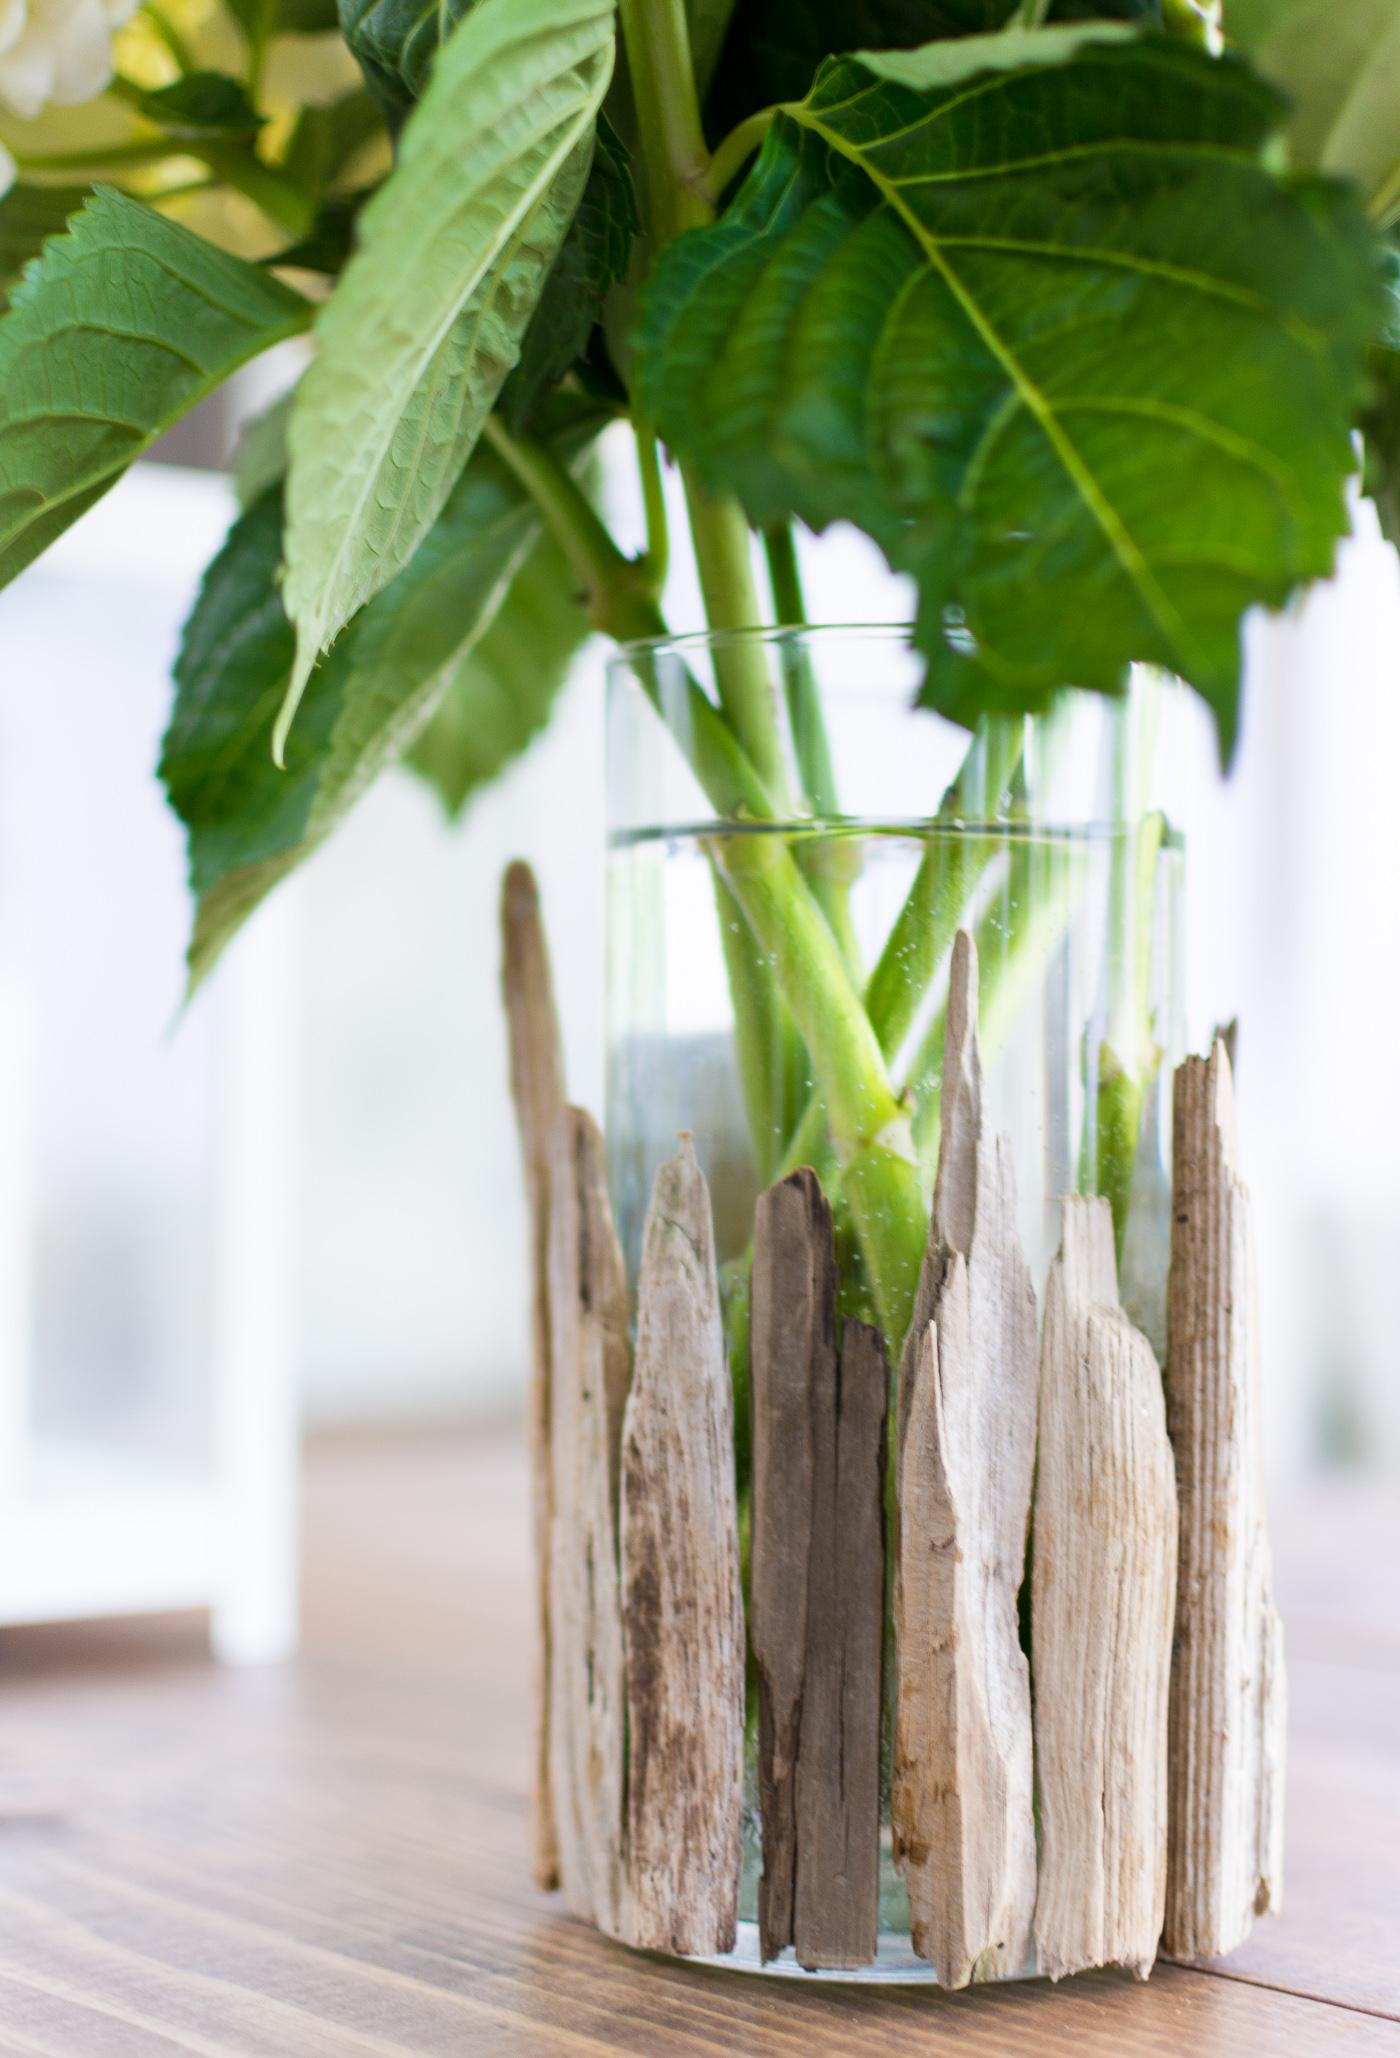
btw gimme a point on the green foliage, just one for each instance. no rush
(1059, 340)
(201, 106)
(429, 314)
(1380, 432)
(775, 47)
(594, 257)
(28, 215)
(249, 823)
(1338, 62)
(307, 17)
(122, 325)
(503, 691)
(396, 42)
(326, 138)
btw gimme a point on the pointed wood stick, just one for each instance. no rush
(589, 1360)
(1225, 1810)
(683, 1609)
(792, 1356)
(537, 1085)
(1103, 1599)
(837, 1906)
(961, 1799)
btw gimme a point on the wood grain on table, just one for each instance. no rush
(328, 1859)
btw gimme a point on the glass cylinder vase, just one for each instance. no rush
(772, 976)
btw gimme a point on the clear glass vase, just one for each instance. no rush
(1045, 836)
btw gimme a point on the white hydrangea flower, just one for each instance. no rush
(56, 52)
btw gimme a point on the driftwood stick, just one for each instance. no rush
(836, 1912)
(792, 1357)
(1103, 1596)
(682, 1606)
(964, 1837)
(1225, 1806)
(589, 1360)
(537, 1085)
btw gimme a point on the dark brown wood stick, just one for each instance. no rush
(792, 1342)
(838, 1766)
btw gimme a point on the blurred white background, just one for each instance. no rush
(408, 1232)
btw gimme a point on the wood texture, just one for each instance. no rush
(590, 1371)
(836, 1909)
(1225, 1819)
(792, 1358)
(537, 1087)
(682, 1605)
(327, 1859)
(963, 1830)
(1103, 1596)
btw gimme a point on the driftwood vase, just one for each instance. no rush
(809, 1700)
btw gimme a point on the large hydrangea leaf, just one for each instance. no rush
(1059, 336)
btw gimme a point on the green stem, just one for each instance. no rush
(170, 36)
(1016, 938)
(944, 885)
(734, 153)
(657, 560)
(724, 560)
(772, 1063)
(831, 862)
(118, 157)
(674, 156)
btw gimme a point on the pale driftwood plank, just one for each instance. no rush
(537, 1086)
(589, 1368)
(961, 1802)
(1225, 1809)
(836, 1909)
(792, 1360)
(1103, 1597)
(683, 1610)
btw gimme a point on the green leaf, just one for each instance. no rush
(430, 311)
(1056, 337)
(203, 104)
(249, 823)
(257, 19)
(307, 17)
(260, 460)
(1380, 433)
(970, 57)
(1338, 61)
(396, 42)
(327, 245)
(123, 324)
(501, 694)
(28, 216)
(708, 23)
(594, 257)
(326, 138)
(775, 47)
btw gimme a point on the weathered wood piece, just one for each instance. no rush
(1226, 1749)
(589, 1359)
(792, 1357)
(961, 1801)
(1103, 1595)
(816, 1586)
(537, 1087)
(837, 1905)
(683, 1610)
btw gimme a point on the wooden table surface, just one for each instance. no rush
(326, 1859)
